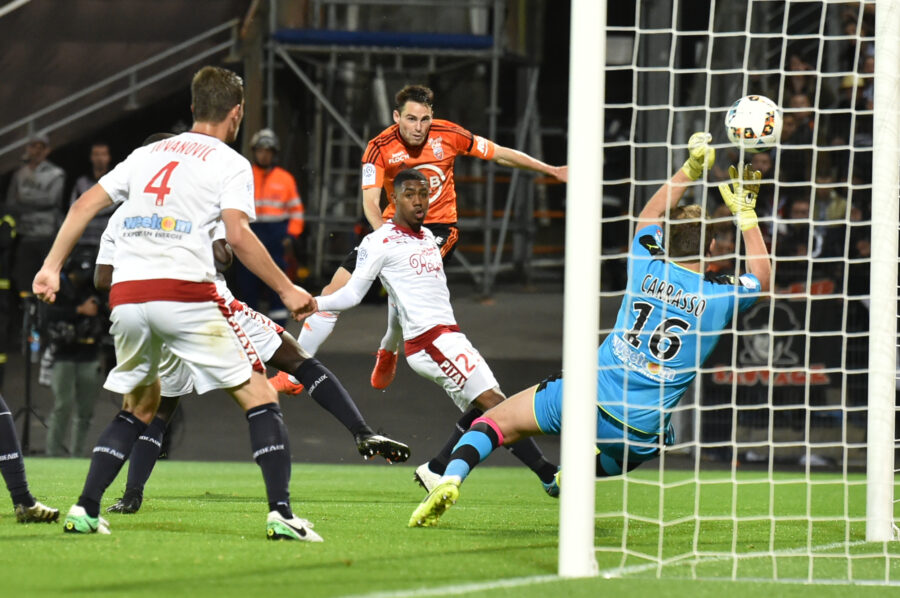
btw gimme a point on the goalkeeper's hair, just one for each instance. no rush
(413, 93)
(214, 92)
(685, 238)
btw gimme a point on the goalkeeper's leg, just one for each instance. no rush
(507, 423)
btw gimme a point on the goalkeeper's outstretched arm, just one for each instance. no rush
(740, 196)
(701, 157)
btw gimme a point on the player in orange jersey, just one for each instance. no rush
(416, 140)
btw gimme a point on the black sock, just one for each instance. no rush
(439, 463)
(110, 452)
(528, 452)
(144, 456)
(12, 465)
(327, 391)
(272, 452)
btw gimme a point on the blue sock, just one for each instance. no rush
(473, 448)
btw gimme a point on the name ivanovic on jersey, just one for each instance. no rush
(666, 292)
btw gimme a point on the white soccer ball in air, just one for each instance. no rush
(754, 123)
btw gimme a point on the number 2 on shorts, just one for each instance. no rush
(163, 189)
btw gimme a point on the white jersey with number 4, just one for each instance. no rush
(174, 191)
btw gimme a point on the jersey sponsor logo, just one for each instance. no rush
(653, 286)
(156, 222)
(427, 261)
(436, 179)
(246, 344)
(436, 148)
(452, 372)
(368, 174)
(398, 157)
(186, 148)
(637, 361)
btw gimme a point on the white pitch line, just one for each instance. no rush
(621, 572)
(462, 588)
(514, 582)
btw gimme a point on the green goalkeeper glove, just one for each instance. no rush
(700, 155)
(740, 195)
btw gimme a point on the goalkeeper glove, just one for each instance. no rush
(740, 195)
(700, 155)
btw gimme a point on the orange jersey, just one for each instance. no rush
(277, 199)
(387, 155)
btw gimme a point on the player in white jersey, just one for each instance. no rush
(174, 192)
(275, 347)
(405, 256)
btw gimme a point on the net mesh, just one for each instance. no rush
(767, 476)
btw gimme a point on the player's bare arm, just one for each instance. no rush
(505, 156)
(248, 248)
(372, 207)
(701, 156)
(46, 281)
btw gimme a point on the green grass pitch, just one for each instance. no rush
(201, 532)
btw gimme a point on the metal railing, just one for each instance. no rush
(26, 126)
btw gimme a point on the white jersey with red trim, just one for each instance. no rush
(411, 269)
(106, 253)
(174, 191)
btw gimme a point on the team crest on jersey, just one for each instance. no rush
(436, 148)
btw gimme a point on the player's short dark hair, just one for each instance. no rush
(214, 92)
(413, 93)
(156, 137)
(410, 174)
(687, 232)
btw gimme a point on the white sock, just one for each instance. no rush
(316, 330)
(394, 334)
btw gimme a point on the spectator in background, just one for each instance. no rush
(279, 220)
(100, 159)
(35, 200)
(74, 326)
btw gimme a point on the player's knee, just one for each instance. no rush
(489, 398)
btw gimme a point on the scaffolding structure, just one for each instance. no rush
(345, 65)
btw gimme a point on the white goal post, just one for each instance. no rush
(883, 327)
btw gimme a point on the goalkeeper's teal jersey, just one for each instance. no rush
(669, 322)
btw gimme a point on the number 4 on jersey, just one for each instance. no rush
(162, 189)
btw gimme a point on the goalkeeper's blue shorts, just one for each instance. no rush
(613, 437)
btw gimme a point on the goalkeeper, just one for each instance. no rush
(670, 319)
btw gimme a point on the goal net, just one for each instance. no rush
(783, 464)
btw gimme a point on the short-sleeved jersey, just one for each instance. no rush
(411, 269)
(670, 320)
(173, 192)
(387, 155)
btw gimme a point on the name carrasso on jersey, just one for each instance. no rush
(690, 303)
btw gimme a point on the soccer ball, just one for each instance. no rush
(754, 123)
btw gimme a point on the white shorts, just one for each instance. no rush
(263, 332)
(204, 335)
(174, 376)
(451, 361)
